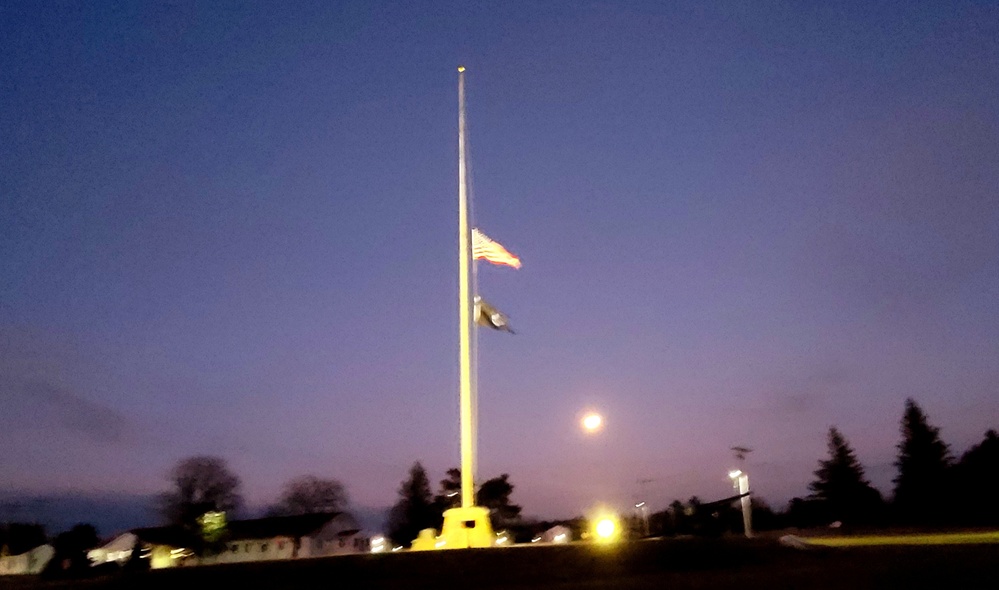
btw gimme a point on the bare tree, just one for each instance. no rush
(309, 494)
(201, 484)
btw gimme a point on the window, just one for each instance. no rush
(263, 547)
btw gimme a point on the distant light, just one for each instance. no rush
(397, 548)
(592, 422)
(559, 538)
(640, 504)
(536, 539)
(734, 473)
(606, 528)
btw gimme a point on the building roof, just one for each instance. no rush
(172, 536)
(280, 526)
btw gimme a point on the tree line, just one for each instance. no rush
(205, 484)
(932, 488)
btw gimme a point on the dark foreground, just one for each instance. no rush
(673, 564)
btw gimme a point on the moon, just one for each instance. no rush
(592, 422)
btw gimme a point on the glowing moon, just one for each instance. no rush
(592, 422)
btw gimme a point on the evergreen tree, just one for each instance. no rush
(449, 495)
(976, 478)
(494, 494)
(921, 485)
(415, 509)
(840, 484)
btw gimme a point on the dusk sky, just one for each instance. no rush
(231, 229)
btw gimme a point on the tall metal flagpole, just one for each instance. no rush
(465, 307)
(467, 525)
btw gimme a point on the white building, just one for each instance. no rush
(29, 562)
(260, 539)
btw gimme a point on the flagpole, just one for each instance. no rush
(466, 394)
(467, 525)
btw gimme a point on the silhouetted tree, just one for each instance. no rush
(449, 490)
(661, 524)
(921, 486)
(841, 484)
(976, 479)
(807, 512)
(494, 494)
(764, 517)
(70, 558)
(415, 509)
(310, 495)
(201, 484)
(681, 518)
(19, 537)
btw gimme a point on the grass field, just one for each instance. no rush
(975, 538)
(672, 563)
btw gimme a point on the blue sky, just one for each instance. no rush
(230, 228)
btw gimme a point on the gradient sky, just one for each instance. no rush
(230, 228)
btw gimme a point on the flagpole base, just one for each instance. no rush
(463, 528)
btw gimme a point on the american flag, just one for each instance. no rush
(483, 247)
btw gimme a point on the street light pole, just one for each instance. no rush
(645, 516)
(740, 481)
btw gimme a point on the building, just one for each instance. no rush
(260, 539)
(29, 562)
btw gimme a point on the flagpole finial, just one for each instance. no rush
(461, 69)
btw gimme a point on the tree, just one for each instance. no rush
(494, 494)
(449, 494)
(19, 537)
(415, 509)
(310, 495)
(976, 479)
(840, 484)
(681, 519)
(70, 558)
(201, 484)
(921, 486)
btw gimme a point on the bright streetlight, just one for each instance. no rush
(606, 529)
